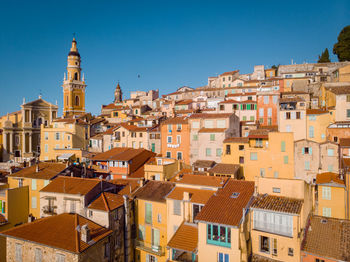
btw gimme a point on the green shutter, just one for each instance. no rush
(283, 146)
(148, 211)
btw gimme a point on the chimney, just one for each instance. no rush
(85, 233)
(37, 168)
(142, 182)
(187, 196)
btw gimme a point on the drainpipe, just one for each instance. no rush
(127, 230)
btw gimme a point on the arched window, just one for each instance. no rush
(76, 100)
(75, 76)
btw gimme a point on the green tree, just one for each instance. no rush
(342, 48)
(324, 58)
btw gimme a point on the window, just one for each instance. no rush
(38, 255)
(168, 154)
(262, 172)
(177, 208)
(264, 244)
(221, 123)
(326, 193)
(228, 149)
(298, 115)
(208, 124)
(283, 146)
(141, 232)
(261, 112)
(46, 148)
(195, 137)
(57, 136)
(347, 98)
(241, 159)
(269, 112)
(169, 139)
(195, 124)
(223, 257)
(212, 137)
(218, 152)
(347, 113)
(178, 139)
(159, 218)
(20, 182)
(287, 115)
(34, 204)
(330, 152)
(179, 155)
(169, 128)
(327, 212)
(319, 260)
(275, 174)
(271, 222)
(196, 209)
(150, 258)
(276, 190)
(222, 107)
(219, 235)
(178, 127)
(258, 142)
(311, 131)
(266, 100)
(285, 159)
(241, 147)
(290, 251)
(18, 251)
(208, 151)
(307, 165)
(91, 213)
(274, 99)
(274, 246)
(330, 168)
(72, 206)
(33, 184)
(148, 213)
(253, 156)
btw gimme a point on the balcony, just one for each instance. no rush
(49, 210)
(148, 247)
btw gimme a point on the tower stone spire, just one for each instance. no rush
(118, 94)
(73, 84)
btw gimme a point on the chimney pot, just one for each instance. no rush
(85, 233)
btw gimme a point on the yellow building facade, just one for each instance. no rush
(73, 84)
(317, 122)
(64, 137)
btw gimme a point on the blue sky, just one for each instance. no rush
(168, 43)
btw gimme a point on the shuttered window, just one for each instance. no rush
(148, 213)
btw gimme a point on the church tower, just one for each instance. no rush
(73, 85)
(118, 95)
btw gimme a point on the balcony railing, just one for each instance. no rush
(49, 210)
(148, 247)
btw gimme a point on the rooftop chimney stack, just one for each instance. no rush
(85, 233)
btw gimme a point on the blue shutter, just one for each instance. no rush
(303, 150)
(226, 258)
(221, 257)
(310, 150)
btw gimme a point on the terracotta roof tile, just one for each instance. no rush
(107, 202)
(176, 120)
(59, 232)
(184, 102)
(226, 169)
(237, 140)
(154, 191)
(327, 237)
(223, 208)
(316, 111)
(199, 196)
(345, 142)
(203, 115)
(130, 185)
(230, 73)
(185, 237)
(46, 171)
(123, 154)
(329, 178)
(279, 204)
(339, 90)
(212, 130)
(71, 185)
(204, 163)
(242, 94)
(201, 180)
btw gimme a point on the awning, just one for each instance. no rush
(65, 156)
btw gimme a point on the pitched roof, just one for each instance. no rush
(259, 133)
(201, 180)
(236, 140)
(71, 185)
(199, 196)
(329, 178)
(122, 154)
(154, 191)
(204, 163)
(107, 202)
(184, 102)
(228, 169)
(316, 111)
(328, 238)
(203, 115)
(176, 120)
(223, 208)
(229, 73)
(59, 231)
(185, 237)
(277, 203)
(212, 130)
(112, 106)
(133, 128)
(46, 171)
(339, 90)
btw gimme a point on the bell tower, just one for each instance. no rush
(118, 94)
(73, 85)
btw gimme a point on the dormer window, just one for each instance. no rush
(234, 195)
